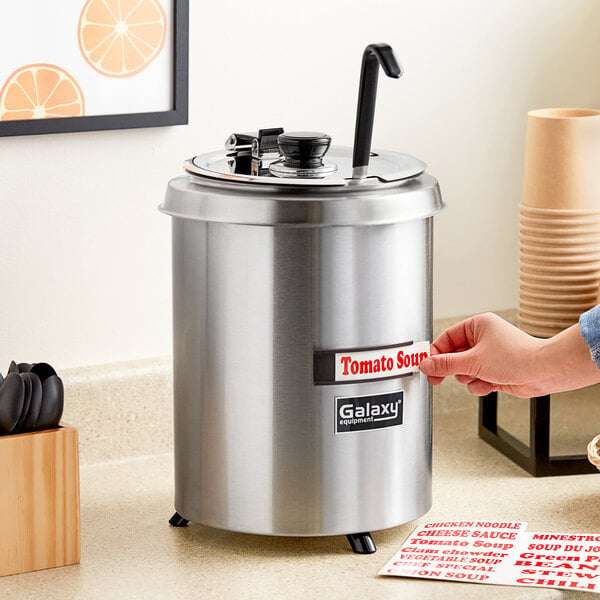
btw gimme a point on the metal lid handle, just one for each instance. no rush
(373, 56)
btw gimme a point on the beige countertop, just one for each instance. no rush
(130, 551)
(123, 413)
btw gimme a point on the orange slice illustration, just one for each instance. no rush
(40, 91)
(120, 38)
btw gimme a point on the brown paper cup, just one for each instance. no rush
(556, 296)
(567, 307)
(585, 279)
(554, 213)
(556, 241)
(589, 270)
(552, 303)
(536, 249)
(560, 222)
(560, 296)
(542, 332)
(562, 154)
(556, 232)
(550, 323)
(557, 289)
(547, 319)
(546, 258)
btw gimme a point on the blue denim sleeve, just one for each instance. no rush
(589, 324)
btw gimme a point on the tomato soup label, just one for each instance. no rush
(367, 364)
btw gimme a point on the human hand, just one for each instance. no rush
(486, 353)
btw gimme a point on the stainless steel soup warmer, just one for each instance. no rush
(301, 309)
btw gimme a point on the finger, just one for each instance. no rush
(435, 380)
(464, 379)
(455, 337)
(434, 350)
(481, 388)
(441, 365)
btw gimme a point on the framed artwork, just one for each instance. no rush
(82, 65)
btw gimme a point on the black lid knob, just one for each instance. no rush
(303, 149)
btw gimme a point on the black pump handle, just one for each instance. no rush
(373, 56)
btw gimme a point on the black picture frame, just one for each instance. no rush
(178, 115)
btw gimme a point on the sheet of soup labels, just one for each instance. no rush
(501, 553)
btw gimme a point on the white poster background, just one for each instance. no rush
(35, 31)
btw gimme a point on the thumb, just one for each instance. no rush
(442, 365)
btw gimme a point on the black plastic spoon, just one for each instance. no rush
(12, 398)
(29, 424)
(26, 402)
(43, 370)
(52, 403)
(12, 368)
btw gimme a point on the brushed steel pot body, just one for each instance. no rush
(255, 444)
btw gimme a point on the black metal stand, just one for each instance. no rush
(178, 521)
(362, 543)
(535, 458)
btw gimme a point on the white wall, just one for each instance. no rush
(85, 256)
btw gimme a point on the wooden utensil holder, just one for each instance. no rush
(39, 500)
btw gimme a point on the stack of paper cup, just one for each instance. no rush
(559, 219)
